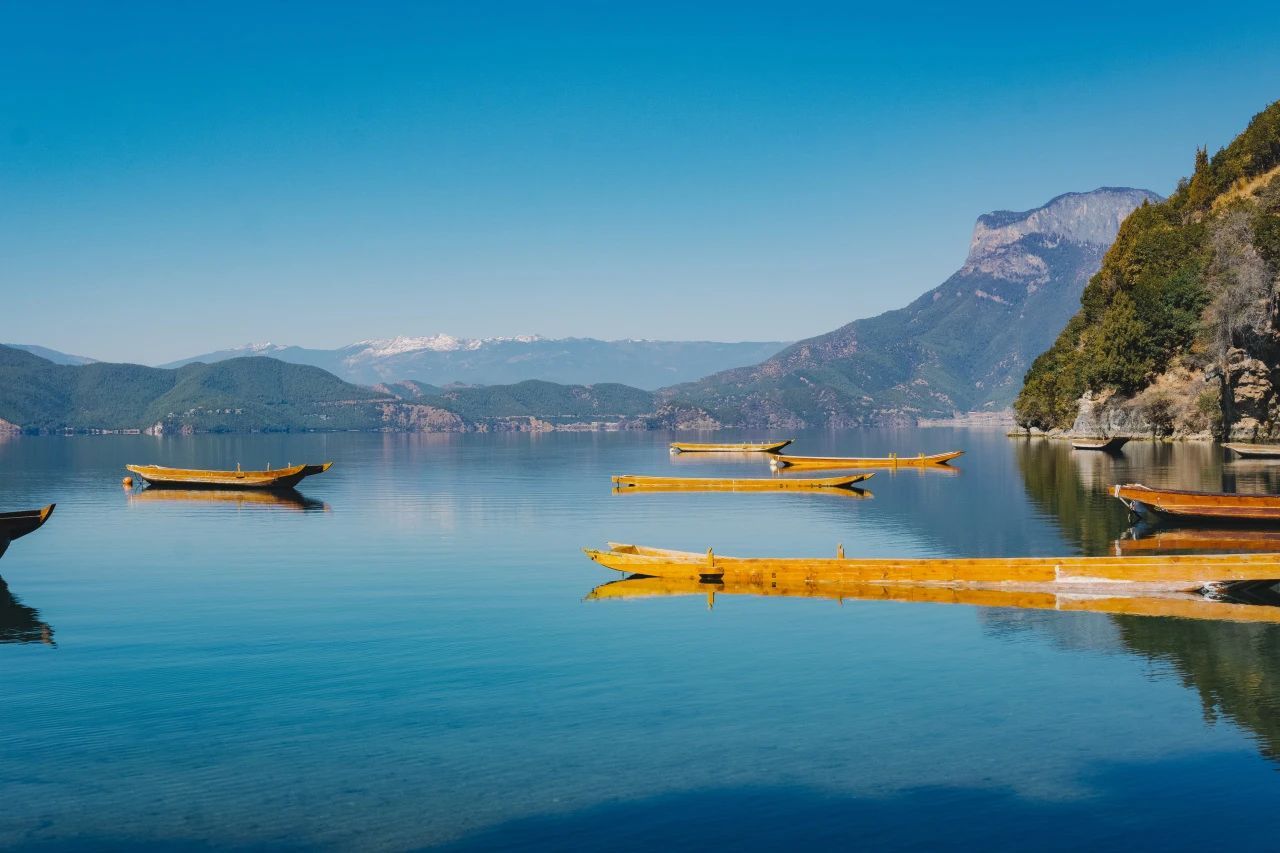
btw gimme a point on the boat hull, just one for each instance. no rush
(158, 476)
(747, 447)
(628, 482)
(1254, 451)
(919, 461)
(15, 525)
(1185, 572)
(1106, 445)
(1189, 506)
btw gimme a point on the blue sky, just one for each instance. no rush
(179, 177)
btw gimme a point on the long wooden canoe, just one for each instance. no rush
(1162, 572)
(1106, 444)
(895, 461)
(1175, 604)
(744, 447)
(1190, 506)
(280, 478)
(14, 525)
(1254, 451)
(734, 484)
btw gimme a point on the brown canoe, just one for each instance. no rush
(1107, 444)
(918, 461)
(1190, 506)
(1163, 572)
(1254, 451)
(14, 525)
(280, 478)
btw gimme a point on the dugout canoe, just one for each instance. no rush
(1185, 505)
(1181, 605)
(627, 482)
(1254, 451)
(894, 461)
(1178, 572)
(280, 478)
(1105, 444)
(745, 447)
(15, 525)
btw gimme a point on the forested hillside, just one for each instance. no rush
(1177, 333)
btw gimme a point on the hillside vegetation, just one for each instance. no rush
(1177, 331)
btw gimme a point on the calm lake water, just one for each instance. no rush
(408, 658)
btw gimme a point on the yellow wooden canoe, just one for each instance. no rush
(746, 447)
(1181, 605)
(1174, 572)
(895, 461)
(754, 484)
(280, 478)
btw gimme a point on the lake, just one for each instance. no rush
(408, 657)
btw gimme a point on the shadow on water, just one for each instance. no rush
(926, 818)
(20, 623)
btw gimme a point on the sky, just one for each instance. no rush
(177, 178)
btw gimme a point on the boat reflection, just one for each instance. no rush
(20, 623)
(1148, 539)
(283, 498)
(1251, 603)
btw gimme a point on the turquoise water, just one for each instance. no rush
(407, 658)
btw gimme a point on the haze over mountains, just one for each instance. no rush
(963, 346)
(442, 359)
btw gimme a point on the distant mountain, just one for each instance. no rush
(51, 354)
(963, 346)
(443, 360)
(264, 394)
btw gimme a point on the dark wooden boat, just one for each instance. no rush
(1185, 505)
(1254, 451)
(1107, 444)
(184, 478)
(894, 461)
(14, 525)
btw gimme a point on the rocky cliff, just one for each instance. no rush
(963, 346)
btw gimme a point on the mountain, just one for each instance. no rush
(263, 394)
(442, 360)
(961, 347)
(51, 354)
(1178, 334)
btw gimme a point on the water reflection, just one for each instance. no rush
(283, 498)
(20, 623)
(1252, 606)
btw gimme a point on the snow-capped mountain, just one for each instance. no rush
(444, 359)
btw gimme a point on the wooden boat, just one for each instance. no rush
(746, 447)
(1111, 574)
(14, 525)
(284, 498)
(1181, 605)
(1107, 444)
(895, 461)
(730, 484)
(1254, 451)
(1190, 506)
(280, 478)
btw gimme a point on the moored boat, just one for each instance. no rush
(14, 525)
(1158, 572)
(1107, 444)
(894, 461)
(1254, 451)
(733, 484)
(743, 447)
(1186, 505)
(280, 478)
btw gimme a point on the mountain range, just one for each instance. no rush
(961, 347)
(444, 360)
